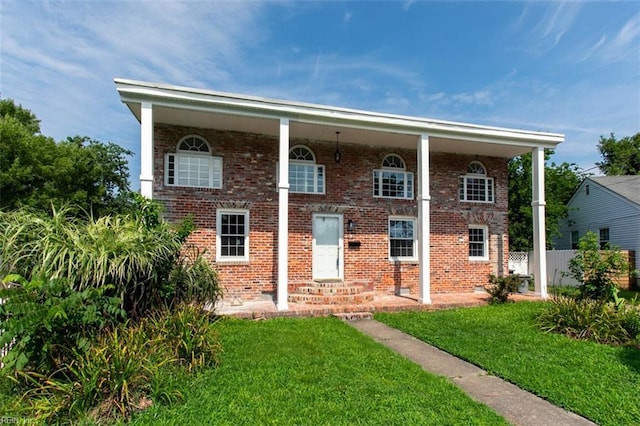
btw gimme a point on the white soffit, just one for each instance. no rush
(208, 109)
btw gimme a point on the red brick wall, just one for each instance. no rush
(249, 181)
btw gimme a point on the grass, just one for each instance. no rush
(314, 371)
(596, 381)
(630, 295)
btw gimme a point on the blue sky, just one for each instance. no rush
(563, 67)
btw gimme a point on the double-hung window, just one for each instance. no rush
(392, 180)
(402, 238)
(478, 242)
(193, 165)
(604, 238)
(305, 176)
(475, 186)
(232, 235)
(575, 239)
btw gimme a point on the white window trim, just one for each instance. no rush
(413, 258)
(488, 183)
(193, 136)
(231, 259)
(408, 195)
(212, 163)
(485, 257)
(316, 167)
(574, 242)
(602, 242)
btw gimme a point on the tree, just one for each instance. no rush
(560, 183)
(620, 157)
(36, 171)
(25, 117)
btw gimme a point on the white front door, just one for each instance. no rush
(327, 246)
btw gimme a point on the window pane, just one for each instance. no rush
(393, 161)
(401, 237)
(401, 248)
(476, 242)
(194, 143)
(306, 178)
(232, 234)
(392, 184)
(475, 189)
(604, 238)
(575, 237)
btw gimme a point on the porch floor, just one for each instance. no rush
(380, 303)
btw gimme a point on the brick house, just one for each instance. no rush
(286, 194)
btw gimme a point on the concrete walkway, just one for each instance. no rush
(514, 404)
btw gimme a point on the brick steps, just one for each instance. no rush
(331, 293)
(354, 316)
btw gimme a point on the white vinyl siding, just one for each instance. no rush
(602, 208)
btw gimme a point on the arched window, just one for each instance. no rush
(194, 143)
(475, 186)
(391, 180)
(301, 153)
(193, 165)
(305, 176)
(393, 161)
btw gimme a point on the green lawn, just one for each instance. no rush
(630, 295)
(316, 371)
(599, 382)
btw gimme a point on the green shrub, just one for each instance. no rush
(46, 322)
(587, 319)
(137, 254)
(595, 269)
(567, 291)
(501, 287)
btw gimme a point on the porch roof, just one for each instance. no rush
(212, 109)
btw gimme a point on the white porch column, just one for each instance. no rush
(146, 149)
(424, 224)
(539, 235)
(283, 217)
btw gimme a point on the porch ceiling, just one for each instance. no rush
(207, 109)
(327, 132)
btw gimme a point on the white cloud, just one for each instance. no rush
(544, 31)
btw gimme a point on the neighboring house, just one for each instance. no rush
(608, 206)
(285, 193)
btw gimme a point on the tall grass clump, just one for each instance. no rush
(594, 320)
(126, 369)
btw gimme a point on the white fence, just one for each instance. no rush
(521, 262)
